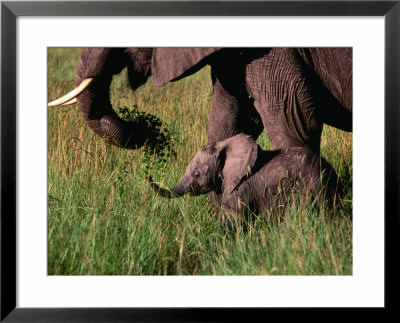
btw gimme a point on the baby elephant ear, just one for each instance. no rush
(238, 155)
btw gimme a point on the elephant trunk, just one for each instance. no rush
(92, 93)
(96, 109)
(181, 189)
(94, 102)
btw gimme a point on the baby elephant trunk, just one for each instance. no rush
(179, 190)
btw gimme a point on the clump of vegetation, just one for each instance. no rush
(159, 147)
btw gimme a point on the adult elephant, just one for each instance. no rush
(290, 92)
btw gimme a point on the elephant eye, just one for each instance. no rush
(196, 173)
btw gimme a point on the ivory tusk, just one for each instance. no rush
(73, 101)
(73, 94)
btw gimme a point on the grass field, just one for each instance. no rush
(104, 219)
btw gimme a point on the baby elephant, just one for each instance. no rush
(251, 177)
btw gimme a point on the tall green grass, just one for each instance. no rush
(104, 219)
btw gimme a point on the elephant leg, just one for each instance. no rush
(230, 114)
(332, 69)
(284, 98)
(223, 115)
(333, 113)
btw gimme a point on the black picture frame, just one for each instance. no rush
(10, 10)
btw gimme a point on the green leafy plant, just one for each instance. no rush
(159, 147)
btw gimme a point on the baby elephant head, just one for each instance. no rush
(225, 162)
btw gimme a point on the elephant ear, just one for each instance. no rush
(237, 156)
(169, 64)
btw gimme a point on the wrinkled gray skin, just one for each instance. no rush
(246, 175)
(290, 92)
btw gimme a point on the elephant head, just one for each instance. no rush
(224, 163)
(93, 78)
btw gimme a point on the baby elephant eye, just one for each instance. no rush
(196, 173)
